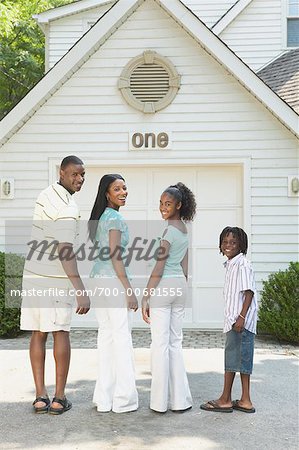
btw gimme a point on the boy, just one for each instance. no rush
(239, 323)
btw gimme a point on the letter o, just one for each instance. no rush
(137, 140)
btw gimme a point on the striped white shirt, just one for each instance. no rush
(239, 277)
(55, 219)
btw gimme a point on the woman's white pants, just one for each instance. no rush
(170, 387)
(115, 386)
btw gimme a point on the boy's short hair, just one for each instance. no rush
(239, 234)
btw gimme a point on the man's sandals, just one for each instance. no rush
(66, 405)
(41, 409)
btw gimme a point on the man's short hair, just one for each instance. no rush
(70, 160)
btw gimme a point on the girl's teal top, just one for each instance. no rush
(178, 247)
(109, 220)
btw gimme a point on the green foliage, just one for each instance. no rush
(11, 271)
(21, 48)
(279, 308)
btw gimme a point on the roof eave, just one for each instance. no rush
(68, 10)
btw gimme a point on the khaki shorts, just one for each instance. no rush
(57, 317)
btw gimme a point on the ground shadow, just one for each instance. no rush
(274, 426)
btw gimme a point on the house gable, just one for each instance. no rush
(105, 27)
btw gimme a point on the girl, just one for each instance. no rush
(163, 303)
(115, 387)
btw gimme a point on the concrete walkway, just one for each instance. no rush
(274, 393)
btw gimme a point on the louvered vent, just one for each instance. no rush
(149, 82)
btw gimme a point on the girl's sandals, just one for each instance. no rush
(66, 405)
(41, 409)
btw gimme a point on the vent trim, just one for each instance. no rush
(149, 82)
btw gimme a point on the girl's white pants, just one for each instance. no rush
(115, 386)
(170, 387)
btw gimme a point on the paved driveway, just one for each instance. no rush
(274, 393)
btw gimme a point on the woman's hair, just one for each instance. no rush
(100, 202)
(237, 233)
(182, 194)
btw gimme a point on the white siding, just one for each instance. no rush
(212, 117)
(256, 34)
(65, 32)
(209, 11)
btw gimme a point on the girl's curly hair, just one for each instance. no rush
(184, 195)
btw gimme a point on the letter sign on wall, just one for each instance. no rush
(149, 141)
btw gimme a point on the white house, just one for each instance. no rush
(222, 130)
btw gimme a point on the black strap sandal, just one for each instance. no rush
(66, 405)
(41, 409)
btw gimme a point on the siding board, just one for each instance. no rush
(256, 34)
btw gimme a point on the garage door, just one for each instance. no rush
(219, 195)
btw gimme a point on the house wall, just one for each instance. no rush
(65, 32)
(213, 120)
(209, 11)
(256, 35)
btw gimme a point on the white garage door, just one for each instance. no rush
(219, 194)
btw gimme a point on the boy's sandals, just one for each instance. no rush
(41, 409)
(238, 407)
(212, 405)
(66, 405)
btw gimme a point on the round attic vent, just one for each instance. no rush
(149, 82)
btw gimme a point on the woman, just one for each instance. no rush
(115, 387)
(163, 303)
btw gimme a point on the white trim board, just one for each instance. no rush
(68, 10)
(106, 26)
(229, 16)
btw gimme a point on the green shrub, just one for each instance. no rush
(279, 307)
(11, 271)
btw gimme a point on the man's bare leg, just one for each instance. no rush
(37, 358)
(62, 355)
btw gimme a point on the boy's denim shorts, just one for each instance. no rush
(238, 353)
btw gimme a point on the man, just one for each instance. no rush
(50, 281)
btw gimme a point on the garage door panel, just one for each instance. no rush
(207, 266)
(219, 186)
(209, 224)
(208, 307)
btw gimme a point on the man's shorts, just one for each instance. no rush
(52, 317)
(239, 348)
